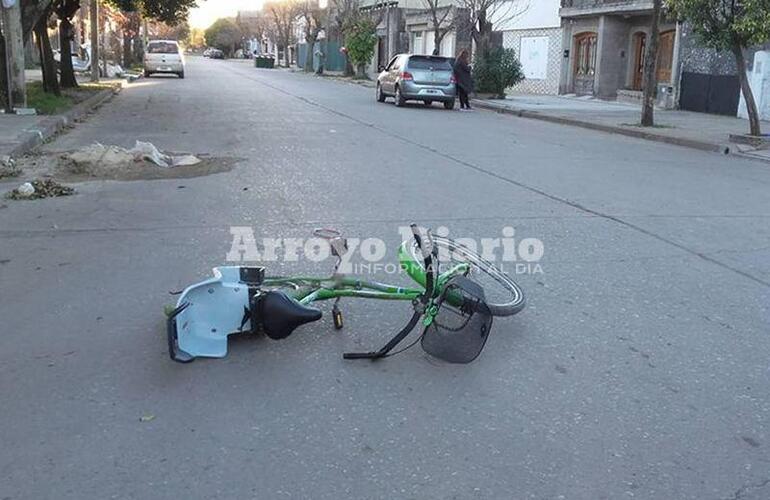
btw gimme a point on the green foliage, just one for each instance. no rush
(360, 40)
(725, 24)
(171, 12)
(224, 35)
(495, 70)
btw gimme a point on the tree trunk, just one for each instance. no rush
(93, 15)
(438, 37)
(68, 80)
(751, 105)
(128, 53)
(650, 65)
(349, 70)
(4, 76)
(484, 34)
(50, 79)
(310, 40)
(14, 43)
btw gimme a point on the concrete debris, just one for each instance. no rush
(98, 159)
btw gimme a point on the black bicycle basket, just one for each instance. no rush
(461, 325)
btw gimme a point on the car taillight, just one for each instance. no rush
(405, 75)
(452, 79)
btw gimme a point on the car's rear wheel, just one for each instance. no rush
(449, 104)
(181, 74)
(379, 94)
(400, 101)
(147, 74)
(428, 102)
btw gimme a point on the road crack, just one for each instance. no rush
(509, 180)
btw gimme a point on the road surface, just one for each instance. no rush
(639, 368)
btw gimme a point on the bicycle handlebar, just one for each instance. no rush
(427, 255)
(426, 247)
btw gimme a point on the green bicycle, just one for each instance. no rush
(454, 308)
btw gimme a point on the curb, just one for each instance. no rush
(639, 134)
(33, 137)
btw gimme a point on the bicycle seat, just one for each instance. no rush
(281, 315)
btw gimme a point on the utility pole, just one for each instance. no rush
(94, 18)
(14, 54)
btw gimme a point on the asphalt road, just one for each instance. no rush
(639, 368)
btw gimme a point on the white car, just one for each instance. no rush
(163, 56)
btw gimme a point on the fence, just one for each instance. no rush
(333, 61)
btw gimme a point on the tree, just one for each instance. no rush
(360, 40)
(439, 21)
(159, 30)
(196, 39)
(731, 25)
(47, 63)
(495, 70)
(224, 35)
(344, 14)
(314, 19)
(484, 14)
(282, 15)
(171, 12)
(31, 13)
(650, 81)
(65, 10)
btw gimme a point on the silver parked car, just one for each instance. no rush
(163, 56)
(410, 77)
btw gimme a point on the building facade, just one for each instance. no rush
(603, 49)
(603, 53)
(534, 32)
(406, 26)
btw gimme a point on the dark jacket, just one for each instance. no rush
(463, 76)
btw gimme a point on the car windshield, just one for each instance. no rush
(430, 62)
(163, 48)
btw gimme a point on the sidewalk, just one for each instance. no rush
(20, 134)
(684, 128)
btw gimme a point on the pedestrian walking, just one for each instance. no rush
(462, 70)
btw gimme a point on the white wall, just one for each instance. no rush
(529, 14)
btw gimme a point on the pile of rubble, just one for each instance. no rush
(98, 159)
(40, 188)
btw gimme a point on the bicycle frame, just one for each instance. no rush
(208, 312)
(310, 289)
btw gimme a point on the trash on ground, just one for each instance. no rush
(148, 151)
(26, 189)
(40, 188)
(8, 167)
(97, 158)
(26, 111)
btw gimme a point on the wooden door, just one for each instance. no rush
(665, 56)
(640, 46)
(584, 65)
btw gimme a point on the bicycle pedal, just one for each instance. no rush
(337, 316)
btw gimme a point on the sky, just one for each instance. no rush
(211, 10)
